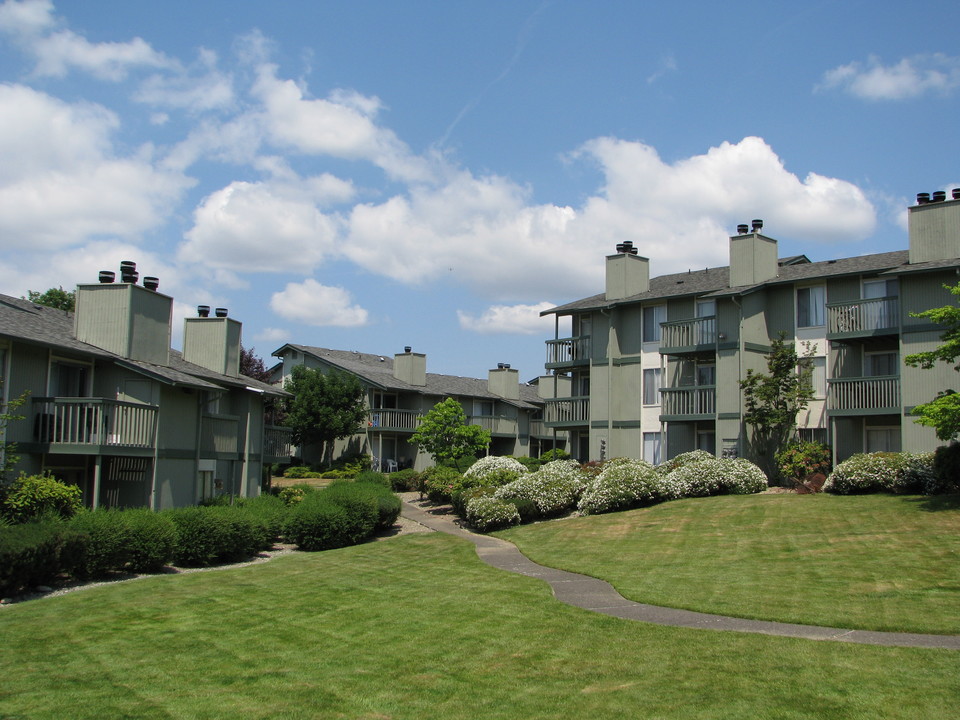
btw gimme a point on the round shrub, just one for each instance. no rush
(361, 504)
(32, 496)
(622, 484)
(268, 514)
(462, 496)
(554, 454)
(207, 535)
(318, 524)
(946, 467)
(439, 483)
(553, 489)
(715, 476)
(742, 477)
(684, 459)
(107, 546)
(495, 470)
(487, 513)
(798, 460)
(404, 480)
(151, 539)
(863, 473)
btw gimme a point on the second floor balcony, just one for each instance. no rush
(495, 424)
(688, 336)
(277, 443)
(568, 352)
(566, 412)
(695, 402)
(93, 423)
(393, 419)
(219, 434)
(863, 395)
(863, 318)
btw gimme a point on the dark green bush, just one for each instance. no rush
(361, 504)
(800, 459)
(318, 524)
(439, 483)
(372, 476)
(33, 496)
(555, 454)
(404, 480)
(208, 535)
(946, 466)
(527, 509)
(268, 514)
(152, 538)
(107, 546)
(299, 472)
(34, 553)
(462, 496)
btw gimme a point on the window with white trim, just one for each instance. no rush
(811, 306)
(653, 315)
(651, 386)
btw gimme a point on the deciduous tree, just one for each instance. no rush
(325, 407)
(54, 297)
(444, 433)
(943, 412)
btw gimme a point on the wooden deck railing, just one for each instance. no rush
(392, 419)
(277, 442)
(694, 400)
(872, 393)
(567, 410)
(568, 351)
(94, 421)
(860, 316)
(689, 333)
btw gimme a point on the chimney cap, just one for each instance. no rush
(407, 349)
(151, 283)
(923, 198)
(757, 225)
(203, 311)
(220, 312)
(742, 229)
(107, 276)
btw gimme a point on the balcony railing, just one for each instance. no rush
(864, 394)
(392, 419)
(494, 424)
(697, 400)
(94, 421)
(688, 334)
(277, 442)
(567, 411)
(567, 352)
(219, 434)
(863, 317)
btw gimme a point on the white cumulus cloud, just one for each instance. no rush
(511, 319)
(259, 227)
(61, 181)
(909, 78)
(311, 303)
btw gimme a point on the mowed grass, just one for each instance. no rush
(418, 627)
(875, 562)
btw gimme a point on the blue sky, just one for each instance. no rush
(370, 175)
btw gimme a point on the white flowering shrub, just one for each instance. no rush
(884, 472)
(622, 484)
(715, 476)
(553, 489)
(684, 459)
(742, 477)
(488, 513)
(495, 467)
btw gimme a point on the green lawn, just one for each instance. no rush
(875, 562)
(418, 627)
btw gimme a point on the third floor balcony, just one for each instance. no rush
(863, 318)
(863, 395)
(568, 352)
(689, 336)
(567, 412)
(694, 402)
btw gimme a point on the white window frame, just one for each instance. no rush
(659, 313)
(656, 456)
(812, 310)
(657, 375)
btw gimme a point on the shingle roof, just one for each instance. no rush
(378, 370)
(715, 282)
(28, 322)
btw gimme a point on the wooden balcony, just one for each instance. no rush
(568, 352)
(863, 318)
(696, 402)
(689, 336)
(277, 443)
(391, 419)
(863, 396)
(566, 412)
(93, 424)
(493, 424)
(219, 434)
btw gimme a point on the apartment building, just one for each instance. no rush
(653, 366)
(113, 409)
(398, 390)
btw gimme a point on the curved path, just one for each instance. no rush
(599, 596)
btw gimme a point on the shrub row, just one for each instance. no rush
(896, 472)
(561, 486)
(93, 544)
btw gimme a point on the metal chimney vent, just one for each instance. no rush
(220, 312)
(107, 276)
(742, 229)
(203, 311)
(757, 225)
(151, 283)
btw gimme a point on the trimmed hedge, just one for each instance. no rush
(34, 553)
(211, 535)
(318, 523)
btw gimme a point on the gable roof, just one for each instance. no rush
(377, 370)
(715, 282)
(34, 324)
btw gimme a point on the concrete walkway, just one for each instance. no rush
(599, 596)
